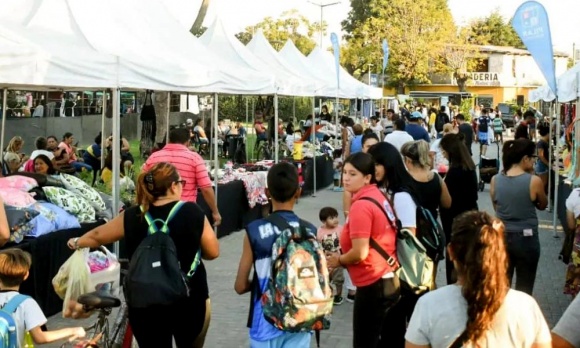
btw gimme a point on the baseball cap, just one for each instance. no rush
(415, 115)
(189, 121)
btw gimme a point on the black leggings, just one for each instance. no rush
(397, 319)
(154, 327)
(371, 304)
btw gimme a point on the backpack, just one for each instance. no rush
(429, 232)
(154, 276)
(440, 121)
(298, 296)
(415, 267)
(8, 328)
(483, 123)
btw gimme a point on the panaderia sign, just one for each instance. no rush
(484, 79)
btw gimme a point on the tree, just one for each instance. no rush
(416, 30)
(494, 30)
(198, 23)
(459, 57)
(291, 25)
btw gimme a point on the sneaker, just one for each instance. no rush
(338, 300)
(338, 189)
(350, 298)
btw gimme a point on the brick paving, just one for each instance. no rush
(229, 310)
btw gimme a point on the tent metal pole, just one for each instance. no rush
(215, 146)
(313, 137)
(4, 105)
(293, 109)
(557, 179)
(247, 117)
(167, 117)
(553, 112)
(276, 145)
(115, 147)
(103, 137)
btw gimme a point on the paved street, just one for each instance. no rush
(229, 312)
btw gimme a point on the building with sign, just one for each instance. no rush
(502, 74)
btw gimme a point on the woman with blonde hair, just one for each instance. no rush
(158, 191)
(480, 310)
(15, 146)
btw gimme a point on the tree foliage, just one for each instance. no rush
(291, 25)
(460, 57)
(417, 31)
(494, 30)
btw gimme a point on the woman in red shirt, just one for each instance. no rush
(377, 284)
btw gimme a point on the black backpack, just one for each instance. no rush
(440, 121)
(483, 124)
(429, 232)
(154, 276)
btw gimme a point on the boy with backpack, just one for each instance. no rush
(20, 311)
(300, 273)
(328, 235)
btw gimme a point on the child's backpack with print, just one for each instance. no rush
(8, 327)
(298, 297)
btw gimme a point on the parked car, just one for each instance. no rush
(507, 114)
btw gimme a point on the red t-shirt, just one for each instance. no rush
(365, 220)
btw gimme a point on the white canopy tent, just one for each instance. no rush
(262, 49)
(568, 88)
(324, 62)
(294, 58)
(223, 43)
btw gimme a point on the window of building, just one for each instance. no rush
(482, 65)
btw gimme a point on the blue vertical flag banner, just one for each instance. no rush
(532, 25)
(385, 54)
(336, 49)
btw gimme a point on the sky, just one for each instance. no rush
(238, 14)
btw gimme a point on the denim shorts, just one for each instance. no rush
(540, 168)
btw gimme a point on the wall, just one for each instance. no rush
(84, 128)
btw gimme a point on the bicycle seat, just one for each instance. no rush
(99, 299)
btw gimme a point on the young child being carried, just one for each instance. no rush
(14, 269)
(327, 235)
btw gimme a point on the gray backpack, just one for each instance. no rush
(414, 267)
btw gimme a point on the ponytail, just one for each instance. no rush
(154, 183)
(478, 247)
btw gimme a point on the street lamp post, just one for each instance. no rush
(370, 105)
(322, 6)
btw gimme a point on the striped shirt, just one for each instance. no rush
(189, 164)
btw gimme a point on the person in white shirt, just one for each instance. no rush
(480, 310)
(376, 126)
(566, 334)
(398, 137)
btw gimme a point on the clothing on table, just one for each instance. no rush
(262, 235)
(567, 326)
(417, 132)
(398, 138)
(189, 164)
(572, 282)
(183, 320)
(518, 213)
(27, 316)
(441, 315)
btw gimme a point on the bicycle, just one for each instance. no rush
(103, 336)
(265, 150)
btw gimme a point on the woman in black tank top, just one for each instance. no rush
(432, 192)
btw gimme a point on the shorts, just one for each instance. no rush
(337, 277)
(540, 168)
(300, 339)
(482, 137)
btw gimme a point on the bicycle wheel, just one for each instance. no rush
(263, 153)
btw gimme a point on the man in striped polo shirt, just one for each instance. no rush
(191, 168)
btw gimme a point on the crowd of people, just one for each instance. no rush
(406, 164)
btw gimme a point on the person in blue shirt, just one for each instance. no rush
(415, 129)
(283, 188)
